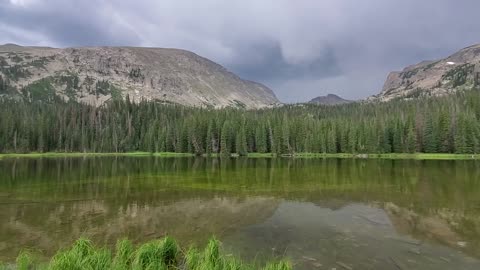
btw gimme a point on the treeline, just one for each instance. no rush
(447, 124)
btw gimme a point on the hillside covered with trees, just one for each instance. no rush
(448, 124)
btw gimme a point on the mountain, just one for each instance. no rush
(460, 71)
(95, 75)
(329, 99)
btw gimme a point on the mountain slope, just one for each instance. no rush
(329, 99)
(459, 71)
(97, 74)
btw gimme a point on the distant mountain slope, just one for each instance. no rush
(97, 74)
(460, 71)
(329, 99)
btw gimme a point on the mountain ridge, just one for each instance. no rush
(457, 72)
(329, 99)
(95, 75)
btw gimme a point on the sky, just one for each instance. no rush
(299, 48)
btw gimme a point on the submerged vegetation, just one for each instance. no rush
(447, 124)
(154, 255)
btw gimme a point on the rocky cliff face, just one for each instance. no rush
(98, 74)
(329, 99)
(460, 71)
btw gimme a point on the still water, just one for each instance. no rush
(320, 213)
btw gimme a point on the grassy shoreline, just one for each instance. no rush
(157, 254)
(416, 156)
(93, 154)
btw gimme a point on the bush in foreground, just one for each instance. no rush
(154, 255)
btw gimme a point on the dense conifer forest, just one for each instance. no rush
(447, 124)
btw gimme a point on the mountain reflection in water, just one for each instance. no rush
(322, 213)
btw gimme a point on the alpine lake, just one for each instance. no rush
(318, 213)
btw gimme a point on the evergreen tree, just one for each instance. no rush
(261, 139)
(411, 142)
(241, 142)
(225, 140)
(460, 136)
(209, 139)
(440, 124)
(429, 137)
(445, 138)
(285, 145)
(331, 142)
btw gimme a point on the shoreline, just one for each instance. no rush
(413, 156)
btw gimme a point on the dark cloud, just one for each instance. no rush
(266, 62)
(301, 49)
(66, 23)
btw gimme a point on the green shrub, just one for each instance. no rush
(154, 255)
(41, 90)
(458, 75)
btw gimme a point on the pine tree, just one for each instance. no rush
(460, 136)
(225, 141)
(261, 139)
(397, 139)
(241, 142)
(470, 136)
(209, 140)
(285, 145)
(331, 141)
(351, 141)
(3, 87)
(411, 142)
(445, 138)
(429, 137)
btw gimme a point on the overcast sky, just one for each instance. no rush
(299, 48)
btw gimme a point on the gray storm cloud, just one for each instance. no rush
(301, 49)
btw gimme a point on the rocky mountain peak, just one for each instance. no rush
(459, 71)
(330, 99)
(97, 74)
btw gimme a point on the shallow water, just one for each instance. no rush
(320, 213)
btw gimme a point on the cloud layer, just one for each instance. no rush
(301, 49)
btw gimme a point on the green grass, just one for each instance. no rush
(250, 155)
(431, 156)
(260, 155)
(172, 154)
(154, 255)
(88, 154)
(419, 156)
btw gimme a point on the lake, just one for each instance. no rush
(320, 213)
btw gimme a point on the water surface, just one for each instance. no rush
(320, 213)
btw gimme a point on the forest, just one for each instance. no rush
(448, 124)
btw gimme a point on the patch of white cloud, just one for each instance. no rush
(22, 3)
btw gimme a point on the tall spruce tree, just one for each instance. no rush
(225, 139)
